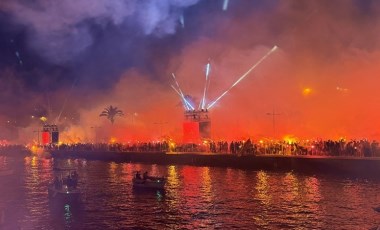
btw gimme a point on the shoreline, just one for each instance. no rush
(348, 166)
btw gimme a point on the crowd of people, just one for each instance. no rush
(119, 147)
(351, 148)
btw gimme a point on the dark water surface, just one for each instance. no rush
(194, 198)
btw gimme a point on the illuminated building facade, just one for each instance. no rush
(197, 126)
(50, 134)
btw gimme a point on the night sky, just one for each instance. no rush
(76, 57)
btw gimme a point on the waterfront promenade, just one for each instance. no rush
(340, 165)
(308, 163)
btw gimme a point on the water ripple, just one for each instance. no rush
(194, 198)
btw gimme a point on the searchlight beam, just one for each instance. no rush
(243, 76)
(179, 91)
(207, 71)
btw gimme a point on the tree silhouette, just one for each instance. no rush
(111, 112)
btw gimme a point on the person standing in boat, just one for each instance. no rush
(138, 176)
(74, 177)
(57, 183)
(145, 175)
(69, 181)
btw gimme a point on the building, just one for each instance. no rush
(196, 126)
(50, 134)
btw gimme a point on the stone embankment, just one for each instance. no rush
(309, 164)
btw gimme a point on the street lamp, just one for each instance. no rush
(273, 114)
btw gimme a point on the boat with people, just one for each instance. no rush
(148, 182)
(65, 189)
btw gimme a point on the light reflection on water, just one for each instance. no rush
(195, 197)
(262, 188)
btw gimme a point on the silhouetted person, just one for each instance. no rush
(138, 176)
(57, 183)
(145, 175)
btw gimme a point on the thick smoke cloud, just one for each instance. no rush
(60, 30)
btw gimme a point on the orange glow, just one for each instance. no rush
(306, 91)
(322, 82)
(290, 139)
(113, 140)
(33, 148)
(172, 145)
(328, 113)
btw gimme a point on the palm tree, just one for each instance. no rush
(111, 112)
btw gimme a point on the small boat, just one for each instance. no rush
(65, 189)
(64, 193)
(148, 182)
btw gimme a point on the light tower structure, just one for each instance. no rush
(49, 134)
(197, 122)
(196, 126)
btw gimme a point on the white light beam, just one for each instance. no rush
(184, 102)
(182, 20)
(208, 69)
(181, 94)
(225, 5)
(243, 76)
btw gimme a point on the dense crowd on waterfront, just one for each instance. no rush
(135, 147)
(352, 148)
